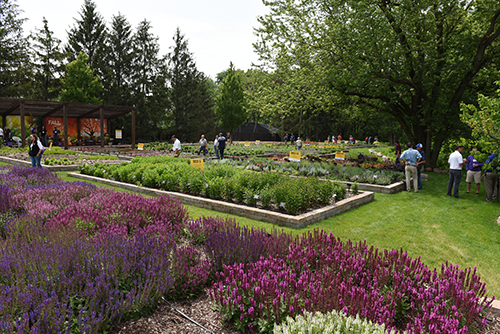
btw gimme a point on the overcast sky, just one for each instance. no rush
(218, 31)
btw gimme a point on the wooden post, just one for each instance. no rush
(79, 129)
(65, 126)
(133, 127)
(4, 121)
(101, 113)
(23, 126)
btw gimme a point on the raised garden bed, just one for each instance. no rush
(278, 218)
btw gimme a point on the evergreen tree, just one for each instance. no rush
(192, 104)
(149, 84)
(119, 58)
(80, 84)
(14, 59)
(231, 104)
(88, 35)
(48, 63)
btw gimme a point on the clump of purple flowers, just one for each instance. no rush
(322, 273)
(55, 281)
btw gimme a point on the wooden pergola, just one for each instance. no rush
(43, 109)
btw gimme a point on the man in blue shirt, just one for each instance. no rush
(411, 157)
(420, 164)
(491, 177)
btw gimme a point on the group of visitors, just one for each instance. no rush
(414, 159)
(220, 143)
(473, 167)
(297, 142)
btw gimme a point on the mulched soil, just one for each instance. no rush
(167, 320)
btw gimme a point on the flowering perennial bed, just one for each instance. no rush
(75, 258)
(224, 182)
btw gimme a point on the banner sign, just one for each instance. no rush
(197, 163)
(340, 155)
(294, 156)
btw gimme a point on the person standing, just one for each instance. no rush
(398, 152)
(43, 136)
(292, 138)
(1, 136)
(216, 148)
(7, 136)
(491, 177)
(202, 145)
(455, 161)
(299, 143)
(411, 158)
(285, 138)
(177, 146)
(36, 151)
(473, 168)
(221, 145)
(55, 133)
(420, 164)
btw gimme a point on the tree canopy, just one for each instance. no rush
(231, 104)
(80, 84)
(414, 61)
(484, 119)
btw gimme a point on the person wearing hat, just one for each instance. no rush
(177, 146)
(420, 164)
(411, 158)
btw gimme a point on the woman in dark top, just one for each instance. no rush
(36, 151)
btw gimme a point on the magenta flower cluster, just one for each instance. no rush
(101, 210)
(321, 273)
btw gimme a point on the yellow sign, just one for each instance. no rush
(247, 143)
(50, 146)
(294, 156)
(197, 163)
(140, 146)
(340, 155)
(326, 141)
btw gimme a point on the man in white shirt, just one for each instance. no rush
(1, 136)
(177, 146)
(455, 161)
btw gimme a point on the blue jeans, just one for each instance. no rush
(455, 176)
(419, 171)
(33, 161)
(39, 161)
(216, 151)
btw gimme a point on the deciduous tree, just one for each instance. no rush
(413, 60)
(231, 103)
(80, 84)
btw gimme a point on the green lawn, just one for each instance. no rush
(428, 224)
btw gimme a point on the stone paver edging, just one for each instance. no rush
(246, 211)
(63, 168)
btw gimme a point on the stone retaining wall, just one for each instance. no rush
(63, 168)
(247, 211)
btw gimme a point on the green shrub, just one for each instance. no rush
(355, 188)
(266, 194)
(332, 322)
(251, 196)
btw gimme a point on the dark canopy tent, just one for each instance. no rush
(22, 107)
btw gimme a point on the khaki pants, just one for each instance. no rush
(411, 172)
(490, 185)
